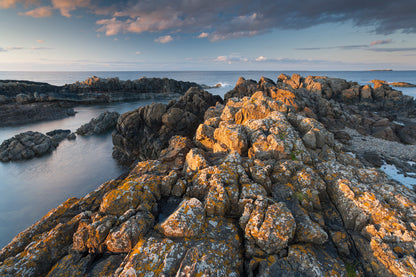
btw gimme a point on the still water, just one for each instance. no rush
(29, 189)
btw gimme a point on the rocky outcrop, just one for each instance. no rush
(262, 190)
(25, 146)
(337, 103)
(104, 123)
(28, 145)
(402, 84)
(144, 132)
(24, 101)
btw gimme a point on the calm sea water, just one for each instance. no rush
(29, 189)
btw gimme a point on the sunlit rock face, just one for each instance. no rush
(262, 189)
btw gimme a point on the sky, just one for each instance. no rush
(101, 35)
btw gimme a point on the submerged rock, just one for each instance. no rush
(258, 199)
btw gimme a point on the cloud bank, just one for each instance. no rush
(229, 19)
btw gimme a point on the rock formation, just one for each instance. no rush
(262, 189)
(144, 132)
(24, 101)
(104, 123)
(28, 145)
(25, 146)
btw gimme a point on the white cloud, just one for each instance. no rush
(138, 52)
(40, 41)
(164, 39)
(203, 35)
(261, 59)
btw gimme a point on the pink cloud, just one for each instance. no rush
(6, 4)
(111, 26)
(66, 6)
(377, 42)
(39, 12)
(164, 39)
(203, 35)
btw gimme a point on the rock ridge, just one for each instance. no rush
(25, 101)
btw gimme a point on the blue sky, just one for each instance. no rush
(207, 35)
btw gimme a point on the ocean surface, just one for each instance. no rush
(29, 189)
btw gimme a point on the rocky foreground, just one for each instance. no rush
(23, 102)
(263, 188)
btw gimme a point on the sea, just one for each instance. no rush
(29, 189)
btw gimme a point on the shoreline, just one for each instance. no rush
(204, 176)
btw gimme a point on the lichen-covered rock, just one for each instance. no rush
(231, 137)
(123, 238)
(269, 227)
(300, 261)
(186, 221)
(195, 160)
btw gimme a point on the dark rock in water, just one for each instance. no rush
(104, 123)
(71, 136)
(143, 133)
(58, 135)
(13, 114)
(25, 146)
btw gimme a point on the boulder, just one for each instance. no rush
(186, 221)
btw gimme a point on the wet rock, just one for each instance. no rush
(105, 122)
(59, 135)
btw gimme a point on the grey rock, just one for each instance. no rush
(26, 146)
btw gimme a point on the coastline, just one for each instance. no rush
(242, 162)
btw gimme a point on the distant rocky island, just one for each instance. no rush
(257, 184)
(23, 102)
